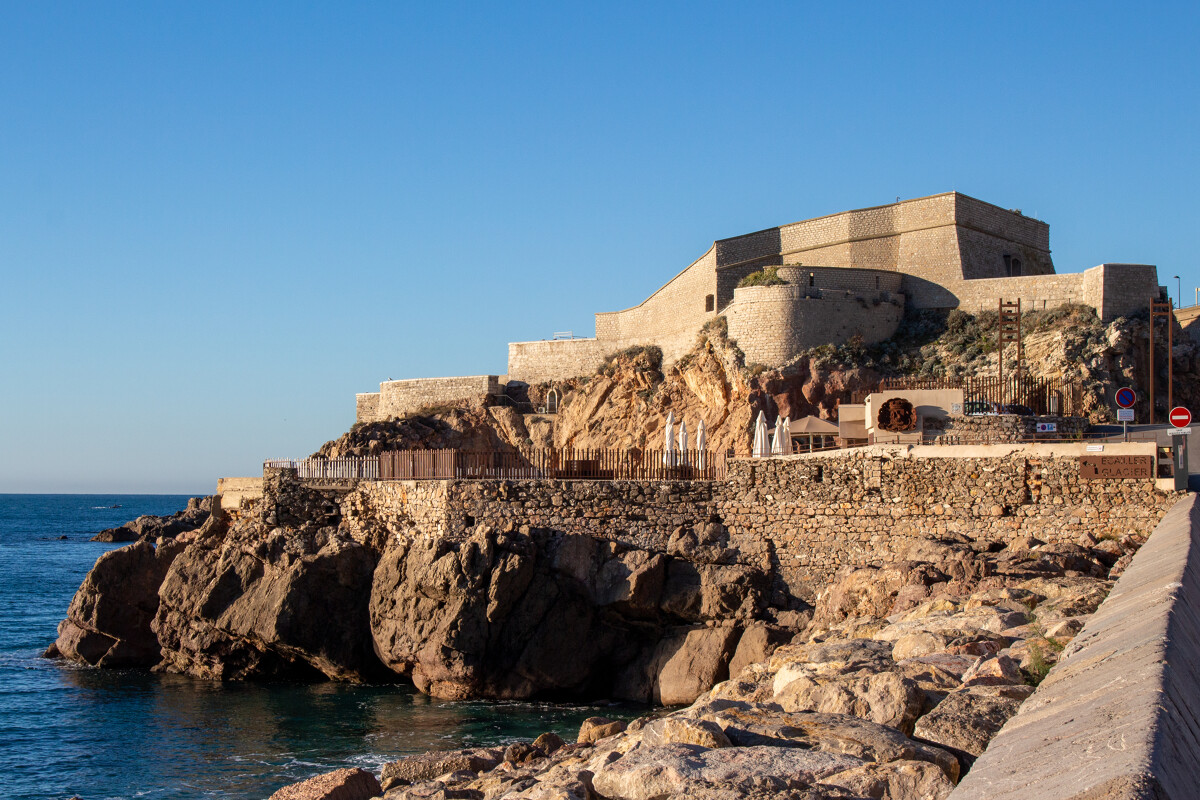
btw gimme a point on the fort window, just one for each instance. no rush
(1012, 266)
(812, 279)
(710, 302)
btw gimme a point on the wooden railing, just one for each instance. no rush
(364, 467)
(552, 463)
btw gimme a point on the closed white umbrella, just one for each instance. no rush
(669, 441)
(776, 437)
(761, 447)
(700, 442)
(787, 436)
(683, 443)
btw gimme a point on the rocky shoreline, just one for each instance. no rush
(889, 692)
(889, 686)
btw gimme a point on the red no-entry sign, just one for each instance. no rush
(1180, 417)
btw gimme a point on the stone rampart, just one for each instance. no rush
(1189, 319)
(555, 359)
(401, 398)
(1114, 290)
(773, 323)
(1119, 715)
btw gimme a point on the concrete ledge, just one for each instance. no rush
(1119, 717)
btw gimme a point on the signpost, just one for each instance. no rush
(1125, 398)
(1180, 417)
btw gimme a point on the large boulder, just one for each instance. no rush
(343, 784)
(108, 623)
(277, 604)
(518, 613)
(651, 773)
(966, 721)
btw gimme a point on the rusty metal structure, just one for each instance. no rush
(1161, 310)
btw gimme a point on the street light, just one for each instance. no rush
(1178, 291)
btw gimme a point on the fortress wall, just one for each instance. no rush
(1125, 288)
(401, 398)
(773, 323)
(1036, 292)
(982, 256)
(536, 362)
(1189, 320)
(1002, 222)
(1114, 290)
(669, 318)
(366, 407)
(866, 282)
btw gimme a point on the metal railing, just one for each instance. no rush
(553, 463)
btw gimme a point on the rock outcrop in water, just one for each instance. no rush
(149, 528)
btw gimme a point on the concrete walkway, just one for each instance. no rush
(1119, 717)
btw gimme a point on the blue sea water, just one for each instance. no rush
(67, 730)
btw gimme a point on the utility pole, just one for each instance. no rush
(1010, 332)
(1160, 309)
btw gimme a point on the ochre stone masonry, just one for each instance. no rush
(849, 275)
(401, 398)
(806, 516)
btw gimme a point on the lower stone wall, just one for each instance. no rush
(869, 505)
(1114, 290)
(1001, 427)
(808, 515)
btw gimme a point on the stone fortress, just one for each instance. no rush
(848, 274)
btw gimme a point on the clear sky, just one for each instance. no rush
(220, 221)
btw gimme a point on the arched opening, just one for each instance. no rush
(552, 401)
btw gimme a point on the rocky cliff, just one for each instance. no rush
(626, 403)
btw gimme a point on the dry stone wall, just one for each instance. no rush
(804, 516)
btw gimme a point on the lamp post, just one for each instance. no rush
(1178, 291)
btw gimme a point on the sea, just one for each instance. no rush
(73, 731)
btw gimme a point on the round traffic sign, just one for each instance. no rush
(1180, 417)
(1126, 397)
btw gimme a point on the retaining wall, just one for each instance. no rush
(401, 398)
(807, 515)
(1119, 715)
(555, 359)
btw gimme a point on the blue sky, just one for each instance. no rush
(220, 221)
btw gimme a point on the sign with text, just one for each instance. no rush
(1115, 467)
(1179, 432)
(1124, 415)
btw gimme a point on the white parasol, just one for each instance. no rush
(776, 440)
(787, 436)
(683, 443)
(669, 441)
(761, 447)
(700, 442)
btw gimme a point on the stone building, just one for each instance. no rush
(848, 274)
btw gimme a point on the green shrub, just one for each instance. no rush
(767, 276)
